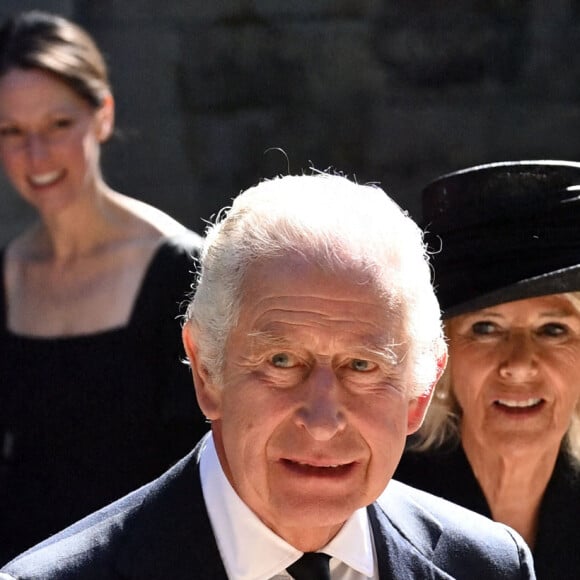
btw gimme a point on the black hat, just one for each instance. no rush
(502, 232)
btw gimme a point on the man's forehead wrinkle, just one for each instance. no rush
(322, 298)
(395, 351)
(268, 337)
(326, 313)
(376, 337)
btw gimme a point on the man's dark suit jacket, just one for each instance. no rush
(162, 531)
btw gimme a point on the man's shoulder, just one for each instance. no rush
(453, 538)
(122, 536)
(400, 500)
(90, 540)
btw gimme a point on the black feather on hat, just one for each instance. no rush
(502, 232)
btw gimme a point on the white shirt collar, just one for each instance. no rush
(250, 550)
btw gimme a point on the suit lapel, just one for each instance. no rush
(404, 548)
(171, 535)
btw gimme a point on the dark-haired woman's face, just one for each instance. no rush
(49, 139)
(515, 370)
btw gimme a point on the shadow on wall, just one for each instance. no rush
(394, 92)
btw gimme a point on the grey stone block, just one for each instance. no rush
(228, 152)
(262, 65)
(307, 8)
(114, 11)
(168, 10)
(63, 7)
(535, 130)
(225, 67)
(439, 50)
(208, 10)
(142, 62)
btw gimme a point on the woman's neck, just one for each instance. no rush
(81, 231)
(513, 483)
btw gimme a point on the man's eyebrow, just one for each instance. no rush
(269, 339)
(388, 350)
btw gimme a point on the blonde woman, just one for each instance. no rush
(501, 437)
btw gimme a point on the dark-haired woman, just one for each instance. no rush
(94, 400)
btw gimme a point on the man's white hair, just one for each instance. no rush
(335, 223)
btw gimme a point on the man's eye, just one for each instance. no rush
(552, 329)
(10, 132)
(361, 365)
(283, 360)
(62, 123)
(483, 327)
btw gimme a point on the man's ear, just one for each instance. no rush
(207, 392)
(105, 118)
(419, 405)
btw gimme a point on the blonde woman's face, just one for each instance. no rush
(515, 368)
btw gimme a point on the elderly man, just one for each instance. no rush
(314, 340)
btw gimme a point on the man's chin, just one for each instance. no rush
(309, 512)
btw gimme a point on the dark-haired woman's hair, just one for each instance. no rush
(53, 44)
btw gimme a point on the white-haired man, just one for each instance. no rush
(314, 340)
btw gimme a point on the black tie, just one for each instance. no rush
(312, 566)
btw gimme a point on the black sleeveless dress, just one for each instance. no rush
(86, 419)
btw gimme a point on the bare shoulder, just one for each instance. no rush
(25, 246)
(150, 218)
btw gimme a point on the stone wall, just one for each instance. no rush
(213, 95)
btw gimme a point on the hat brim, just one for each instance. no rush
(557, 282)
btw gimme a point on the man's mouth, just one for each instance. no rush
(312, 465)
(321, 469)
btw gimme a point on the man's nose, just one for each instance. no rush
(518, 361)
(321, 412)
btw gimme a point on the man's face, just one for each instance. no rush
(312, 416)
